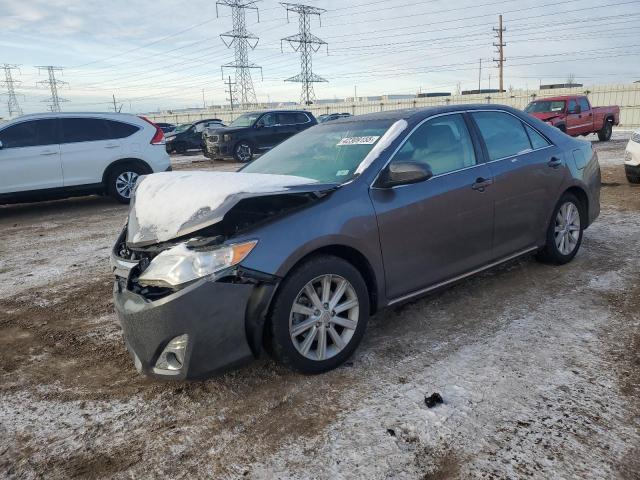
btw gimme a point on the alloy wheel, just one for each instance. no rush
(125, 183)
(244, 152)
(567, 228)
(324, 317)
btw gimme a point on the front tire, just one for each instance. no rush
(604, 135)
(564, 234)
(243, 152)
(633, 178)
(319, 315)
(122, 180)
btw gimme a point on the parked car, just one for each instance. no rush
(301, 246)
(166, 127)
(332, 116)
(188, 136)
(574, 115)
(632, 158)
(53, 155)
(255, 132)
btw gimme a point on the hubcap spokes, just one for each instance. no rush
(125, 183)
(244, 152)
(324, 317)
(567, 228)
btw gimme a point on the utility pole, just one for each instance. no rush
(306, 43)
(53, 84)
(230, 85)
(242, 41)
(204, 103)
(500, 45)
(480, 76)
(355, 93)
(115, 107)
(10, 84)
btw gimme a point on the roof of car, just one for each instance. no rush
(418, 113)
(558, 98)
(75, 114)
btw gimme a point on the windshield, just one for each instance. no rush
(182, 127)
(328, 153)
(545, 106)
(245, 120)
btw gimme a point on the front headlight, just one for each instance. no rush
(180, 264)
(226, 137)
(636, 137)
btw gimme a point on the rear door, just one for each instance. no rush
(30, 156)
(87, 149)
(434, 230)
(527, 171)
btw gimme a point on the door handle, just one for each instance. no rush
(555, 162)
(49, 152)
(112, 145)
(481, 183)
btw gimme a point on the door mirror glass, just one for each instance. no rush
(404, 173)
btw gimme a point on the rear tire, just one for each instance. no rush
(604, 135)
(564, 234)
(314, 335)
(121, 181)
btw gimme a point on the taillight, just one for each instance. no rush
(158, 137)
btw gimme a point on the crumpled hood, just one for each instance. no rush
(223, 130)
(545, 116)
(171, 204)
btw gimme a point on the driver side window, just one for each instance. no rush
(442, 143)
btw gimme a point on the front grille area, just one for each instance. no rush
(213, 139)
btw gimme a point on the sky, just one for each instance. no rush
(166, 55)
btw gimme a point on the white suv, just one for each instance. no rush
(53, 155)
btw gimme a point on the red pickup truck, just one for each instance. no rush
(574, 115)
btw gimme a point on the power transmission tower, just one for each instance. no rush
(230, 85)
(53, 84)
(242, 41)
(10, 84)
(500, 60)
(306, 43)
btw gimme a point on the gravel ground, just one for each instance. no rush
(538, 366)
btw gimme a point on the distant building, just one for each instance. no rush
(481, 91)
(560, 85)
(434, 94)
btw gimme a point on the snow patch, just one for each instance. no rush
(167, 204)
(387, 139)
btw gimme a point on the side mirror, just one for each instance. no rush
(404, 173)
(259, 125)
(576, 110)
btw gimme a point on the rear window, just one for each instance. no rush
(503, 134)
(76, 130)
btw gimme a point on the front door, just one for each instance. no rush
(527, 171)
(30, 156)
(574, 122)
(442, 227)
(268, 132)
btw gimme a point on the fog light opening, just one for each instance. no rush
(171, 360)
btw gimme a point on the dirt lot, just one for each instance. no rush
(539, 368)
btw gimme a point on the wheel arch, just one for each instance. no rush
(582, 197)
(124, 161)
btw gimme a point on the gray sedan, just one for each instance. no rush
(296, 252)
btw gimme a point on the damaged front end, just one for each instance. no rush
(187, 307)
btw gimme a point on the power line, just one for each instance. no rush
(10, 83)
(306, 43)
(53, 84)
(242, 41)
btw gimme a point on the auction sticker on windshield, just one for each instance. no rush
(358, 140)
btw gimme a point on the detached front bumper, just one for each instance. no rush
(222, 322)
